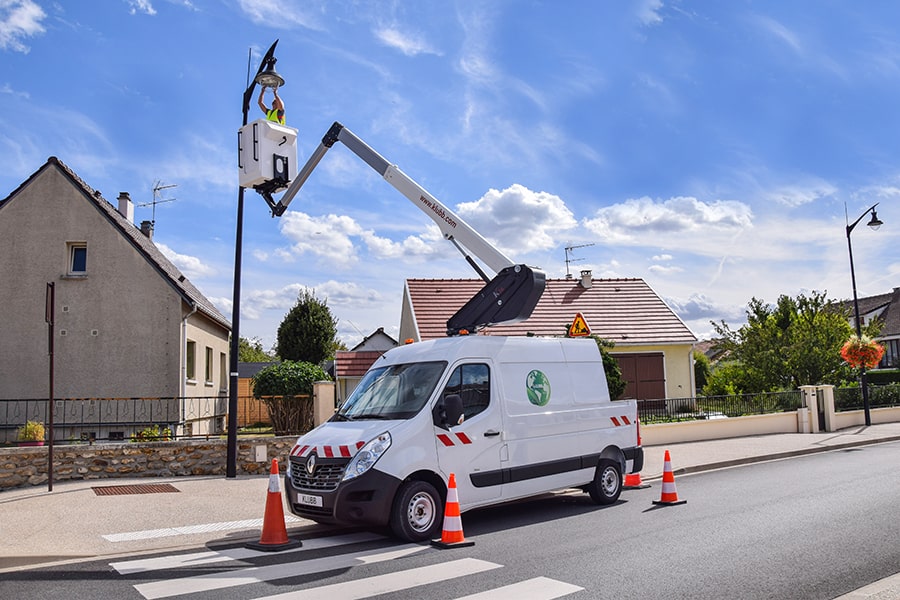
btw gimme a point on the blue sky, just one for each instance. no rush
(709, 148)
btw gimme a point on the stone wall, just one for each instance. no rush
(27, 466)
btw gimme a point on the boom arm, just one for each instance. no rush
(509, 297)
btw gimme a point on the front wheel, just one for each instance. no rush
(607, 484)
(417, 512)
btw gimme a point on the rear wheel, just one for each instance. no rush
(417, 512)
(607, 484)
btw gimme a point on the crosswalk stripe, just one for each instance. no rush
(190, 529)
(390, 582)
(182, 561)
(539, 588)
(216, 581)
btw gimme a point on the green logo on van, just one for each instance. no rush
(538, 388)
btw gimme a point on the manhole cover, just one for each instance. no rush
(147, 488)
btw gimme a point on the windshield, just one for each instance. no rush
(395, 392)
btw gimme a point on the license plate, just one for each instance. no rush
(309, 500)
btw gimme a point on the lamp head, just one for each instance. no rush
(874, 222)
(269, 77)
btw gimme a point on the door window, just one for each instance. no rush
(472, 382)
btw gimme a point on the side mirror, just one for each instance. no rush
(448, 412)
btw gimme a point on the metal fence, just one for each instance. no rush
(880, 396)
(670, 410)
(86, 420)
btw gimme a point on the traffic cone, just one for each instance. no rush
(452, 534)
(274, 533)
(668, 494)
(633, 482)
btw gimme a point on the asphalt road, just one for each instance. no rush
(810, 527)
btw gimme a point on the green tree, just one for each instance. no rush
(794, 342)
(286, 388)
(308, 332)
(252, 351)
(701, 369)
(614, 380)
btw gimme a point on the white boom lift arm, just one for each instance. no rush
(510, 297)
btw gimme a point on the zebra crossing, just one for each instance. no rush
(234, 567)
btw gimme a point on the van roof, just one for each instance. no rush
(497, 348)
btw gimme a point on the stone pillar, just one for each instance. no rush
(323, 401)
(828, 402)
(809, 399)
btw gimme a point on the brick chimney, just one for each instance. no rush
(147, 229)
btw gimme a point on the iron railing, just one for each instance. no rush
(880, 396)
(717, 407)
(86, 420)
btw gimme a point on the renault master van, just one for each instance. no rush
(511, 417)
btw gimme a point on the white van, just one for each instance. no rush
(511, 417)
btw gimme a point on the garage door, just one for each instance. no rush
(645, 375)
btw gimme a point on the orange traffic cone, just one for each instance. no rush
(633, 482)
(274, 533)
(668, 494)
(452, 534)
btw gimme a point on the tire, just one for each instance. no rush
(418, 512)
(607, 484)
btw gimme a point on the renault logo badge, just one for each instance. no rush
(311, 464)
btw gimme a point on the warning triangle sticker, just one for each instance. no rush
(579, 327)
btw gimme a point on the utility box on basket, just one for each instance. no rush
(267, 155)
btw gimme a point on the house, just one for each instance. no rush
(887, 308)
(652, 345)
(351, 365)
(128, 324)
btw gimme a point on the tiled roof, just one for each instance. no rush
(626, 311)
(889, 306)
(354, 364)
(141, 242)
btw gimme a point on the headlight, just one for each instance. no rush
(367, 456)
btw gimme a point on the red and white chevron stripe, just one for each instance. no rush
(620, 420)
(454, 439)
(328, 451)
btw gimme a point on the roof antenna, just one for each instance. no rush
(157, 188)
(571, 260)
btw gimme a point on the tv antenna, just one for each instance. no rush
(571, 260)
(157, 188)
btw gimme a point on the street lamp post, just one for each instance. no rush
(874, 223)
(265, 75)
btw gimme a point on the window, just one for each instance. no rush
(77, 258)
(190, 360)
(473, 384)
(223, 371)
(209, 365)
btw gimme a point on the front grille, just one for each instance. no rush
(326, 477)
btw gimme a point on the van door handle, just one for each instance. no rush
(491, 433)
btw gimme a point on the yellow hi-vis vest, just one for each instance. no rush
(273, 115)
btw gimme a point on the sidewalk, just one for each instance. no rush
(73, 522)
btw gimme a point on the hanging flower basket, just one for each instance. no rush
(862, 352)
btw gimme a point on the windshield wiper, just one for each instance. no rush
(342, 417)
(373, 416)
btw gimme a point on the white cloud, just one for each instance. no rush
(802, 193)
(191, 266)
(675, 216)
(519, 220)
(648, 12)
(408, 43)
(283, 15)
(19, 19)
(144, 6)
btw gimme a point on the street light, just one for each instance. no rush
(265, 76)
(874, 223)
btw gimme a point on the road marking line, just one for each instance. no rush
(216, 581)
(539, 588)
(390, 582)
(190, 529)
(183, 561)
